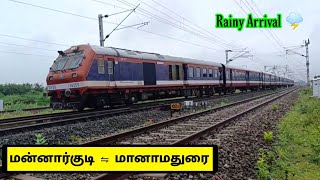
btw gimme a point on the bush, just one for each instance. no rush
(23, 96)
(268, 136)
(275, 107)
(264, 164)
(20, 89)
(40, 139)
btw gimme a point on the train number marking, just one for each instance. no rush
(52, 88)
(74, 85)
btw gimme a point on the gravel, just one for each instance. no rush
(179, 130)
(82, 131)
(239, 142)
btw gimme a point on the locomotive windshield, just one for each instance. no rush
(67, 62)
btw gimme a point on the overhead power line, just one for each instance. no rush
(102, 2)
(51, 9)
(26, 46)
(197, 30)
(27, 54)
(185, 19)
(148, 14)
(271, 32)
(245, 12)
(91, 18)
(173, 24)
(22, 38)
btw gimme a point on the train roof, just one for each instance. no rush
(158, 57)
(150, 56)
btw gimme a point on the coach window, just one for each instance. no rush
(204, 72)
(198, 72)
(191, 73)
(101, 66)
(210, 73)
(174, 73)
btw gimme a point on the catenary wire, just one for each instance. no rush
(81, 16)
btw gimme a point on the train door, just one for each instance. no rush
(222, 77)
(231, 77)
(149, 73)
(247, 79)
(263, 80)
(185, 72)
(111, 63)
(260, 80)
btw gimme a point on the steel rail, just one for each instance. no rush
(180, 99)
(119, 136)
(141, 130)
(186, 140)
(10, 125)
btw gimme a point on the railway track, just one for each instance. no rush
(166, 132)
(117, 107)
(185, 129)
(18, 124)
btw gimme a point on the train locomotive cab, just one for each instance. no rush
(65, 77)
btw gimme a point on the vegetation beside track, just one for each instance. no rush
(296, 152)
(29, 113)
(23, 96)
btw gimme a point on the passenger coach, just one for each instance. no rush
(94, 76)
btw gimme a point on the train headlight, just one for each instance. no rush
(67, 92)
(74, 48)
(74, 75)
(51, 78)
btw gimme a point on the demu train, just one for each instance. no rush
(93, 76)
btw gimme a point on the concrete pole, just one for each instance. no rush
(101, 30)
(307, 61)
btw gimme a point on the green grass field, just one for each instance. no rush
(23, 96)
(297, 151)
(29, 100)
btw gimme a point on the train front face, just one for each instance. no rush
(65, 81)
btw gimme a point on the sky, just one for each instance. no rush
(30, 36)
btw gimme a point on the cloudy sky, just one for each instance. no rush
(30, 34)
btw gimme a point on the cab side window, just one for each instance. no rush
(101, 66)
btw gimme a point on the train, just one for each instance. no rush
(90, 76)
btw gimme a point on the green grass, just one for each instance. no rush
(23, 96)
(29, 113)
(31, 99)
(40, 139)
(268, 136)
(297, 150)
(275, 107)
